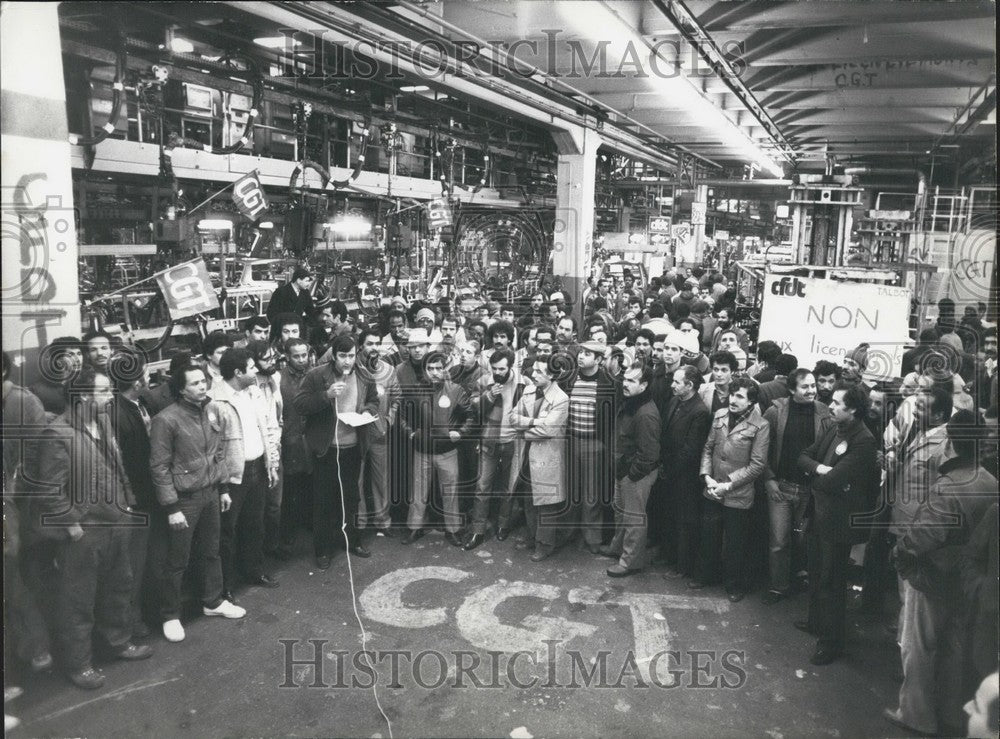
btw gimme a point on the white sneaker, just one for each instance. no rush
(227, 609)
(173, 631)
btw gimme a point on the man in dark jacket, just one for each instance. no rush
(89, 513)
(194, 450)
(293, 296)
(337, 447)
(296, 462)
(442, 416)
(59, 361)
(131, 421)
(843, 473)
(685, 429)
(637, 460)
(795, 423)
(777, 387)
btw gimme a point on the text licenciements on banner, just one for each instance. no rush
(187, 290)
(823, 319)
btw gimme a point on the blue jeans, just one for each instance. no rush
(785, 510)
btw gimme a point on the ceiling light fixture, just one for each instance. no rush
(276, 42)
(181, 46)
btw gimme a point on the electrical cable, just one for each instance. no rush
(350, 571)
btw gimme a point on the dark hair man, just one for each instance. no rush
(827, 375)
(734, 457)
(214, 347)
(132, 421)
(715, 394)
(97, 349)
(337, 447)
(294, 296)
(442, 414)
(686, 421)
(88, 512)
(497, 395)
(241, 540)
(794, 423)
(637, 460)
(376, 463)
(779, 387)
(296, 464)
(844, 478)
(58, 362)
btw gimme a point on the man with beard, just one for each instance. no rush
(89, 513)
(375, 464)
(734, 456)
(497, 395)
(725, 326)
(534, 314)
(643, 347)
(843, 476)
(265, 356)
(61, 360)
(795, 423)
(440, 416)
(566, 335)
(296, 464)
(394, 345)
(449, 339)
(686, 421)
(986, 385)
(337, 448)
(853, 366)
(97, 350)
(827, 376)
(637, 460)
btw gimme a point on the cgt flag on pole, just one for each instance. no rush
(187, 289)
(249, 196)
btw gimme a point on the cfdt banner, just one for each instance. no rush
(824, 319)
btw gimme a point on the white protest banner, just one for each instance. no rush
(824, 319)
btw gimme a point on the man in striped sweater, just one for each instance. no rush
(590, 431)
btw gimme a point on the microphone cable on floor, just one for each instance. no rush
(350, 571)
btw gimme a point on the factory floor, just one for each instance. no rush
(482, 643)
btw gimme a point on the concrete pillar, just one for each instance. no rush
(574, 224)
(698, 229)
(40, 287)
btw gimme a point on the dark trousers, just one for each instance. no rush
(241, 538)
(828, 565)
(296, 505)
(138, 555)
(199, 542)
(26, 634)
(328, 497)
(661, 511)
(723, 542)
(95, 589)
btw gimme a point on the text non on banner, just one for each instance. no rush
(823, 319)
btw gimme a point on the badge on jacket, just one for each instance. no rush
(444, 401)
(841, 448)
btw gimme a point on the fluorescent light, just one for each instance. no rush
(349, 226)
(181, 46)
(211, 57)
(414, 88)
(266, 225)
(215, 224)
(276, 42)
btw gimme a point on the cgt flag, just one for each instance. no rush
(187, 289)
(249, 196)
